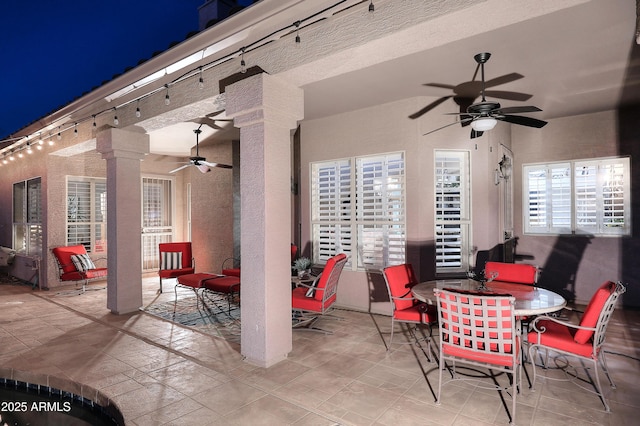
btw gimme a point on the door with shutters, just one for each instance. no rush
(157, 218)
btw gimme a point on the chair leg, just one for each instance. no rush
(533, 351)
(391, 338)
(598, 386)
(160, 285)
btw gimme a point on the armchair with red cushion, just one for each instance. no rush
(176, 259)
(74, 264)
(582, 341)
(405, 307)
(310, 302)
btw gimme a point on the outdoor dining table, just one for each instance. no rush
(530, 300)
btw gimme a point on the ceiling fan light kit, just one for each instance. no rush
(201, 163)
(483, 124)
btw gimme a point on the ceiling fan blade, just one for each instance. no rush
(475, 133)
(512, 96)
(222, 166)
(440, 85)
(180, 168)
(517, 110)
(507, 78)
(523, 121)
(428, 108)
(443, 127)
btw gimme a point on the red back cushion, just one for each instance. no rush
(64, 256)
(184, 248)
(592, 313)
(512, 272)
(327, 273)
(400, 279)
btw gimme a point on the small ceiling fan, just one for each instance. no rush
(484, 115)
(210, 120)
(200, 162)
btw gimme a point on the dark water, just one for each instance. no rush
(28, 405)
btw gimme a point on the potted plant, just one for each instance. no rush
(302, 265)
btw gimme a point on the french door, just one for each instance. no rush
(157, 218)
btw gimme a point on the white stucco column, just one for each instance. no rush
(266, 109)
(123, 151)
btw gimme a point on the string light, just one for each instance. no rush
(29, 150)
(243, 64)
(115, 117)
(199, 72)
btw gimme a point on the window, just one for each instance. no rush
(578, 197)
(27, 217)
(358, 208)
(87, 213)
(157, 218)
(452, 211)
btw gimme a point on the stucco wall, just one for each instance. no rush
(387, 128)
(573, 265)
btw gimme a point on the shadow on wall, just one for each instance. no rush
(420, 254)
(559, 272)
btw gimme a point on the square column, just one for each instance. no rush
(123, 151)
(266, 110)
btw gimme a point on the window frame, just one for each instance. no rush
(444, 266)
(92, 241)
(29, 241)
(575, 203)
(368, 218)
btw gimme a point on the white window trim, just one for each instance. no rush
(466, 214)
(353, 244)
(92, 222)
(572, 228)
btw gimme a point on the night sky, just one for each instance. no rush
(54, 51)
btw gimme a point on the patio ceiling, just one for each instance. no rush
(578, 60)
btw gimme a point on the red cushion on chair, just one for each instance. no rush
(592, 313)
(322, 282)
(559, 336)
(64, 256)
(417, 313)
(299, 300)
(512, 272)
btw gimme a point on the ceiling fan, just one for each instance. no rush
(465, 94)
(200, 162)
(485, 114)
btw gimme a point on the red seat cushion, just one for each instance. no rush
(222, 284)
(592, 312)
(400, 279)
(560, 337)
(234, 272)
(195, 280)
(417, 313)
(174, 273)
(299, 300)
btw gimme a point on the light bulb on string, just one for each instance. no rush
(138, 113)
(297, 24)
(115, 117)
(29, 150)
(75, 129)
(59, 134)
(167, 99)
(372, 7)
(200, 80)
(243, 64)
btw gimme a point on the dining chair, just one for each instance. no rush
(175, 260)
(479, 329)
(405, 308)
(309, 302)
(583, 341)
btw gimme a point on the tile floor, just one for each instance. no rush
(158, 373)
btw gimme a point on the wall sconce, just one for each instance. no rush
(504, 170)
